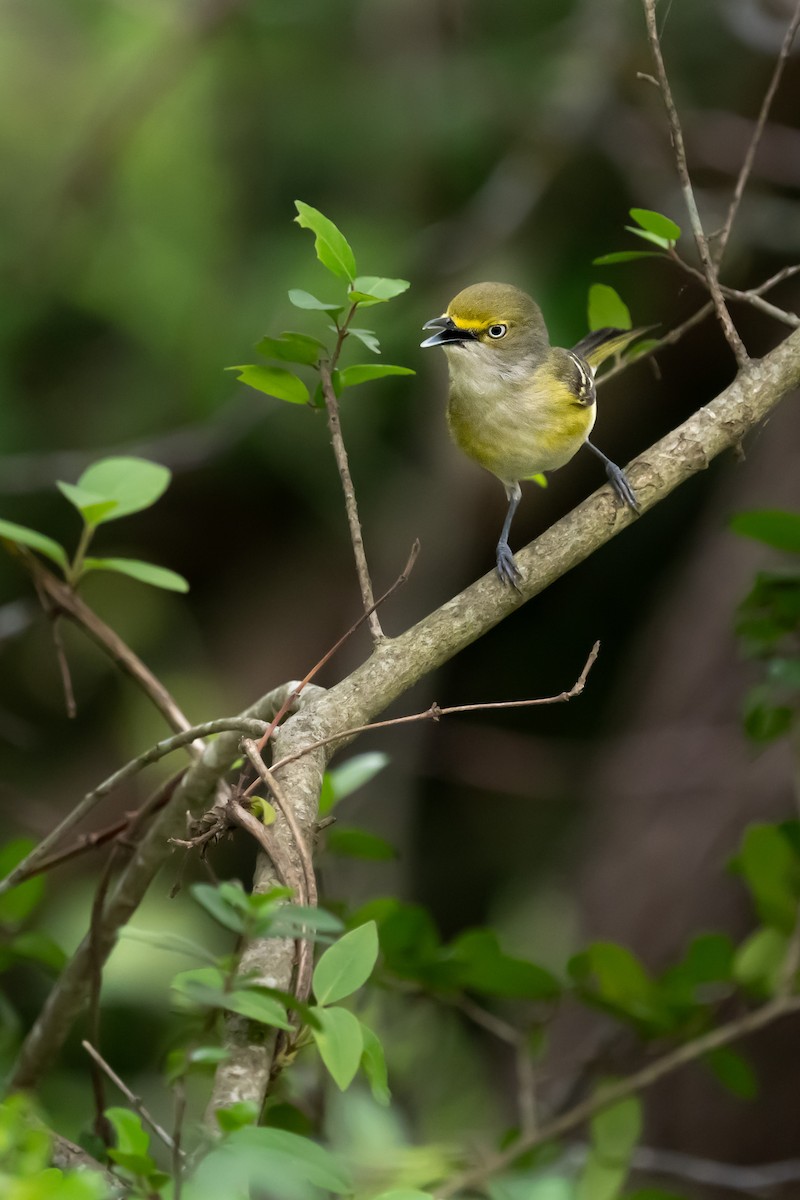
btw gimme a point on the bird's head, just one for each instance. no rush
(494, 320)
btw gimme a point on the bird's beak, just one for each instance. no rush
(447, 333)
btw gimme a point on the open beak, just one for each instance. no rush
(447, 333)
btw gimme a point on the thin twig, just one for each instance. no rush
(688, 1052)
(64, 601)
(308, 893)
(669, 339)
(246, 725)
(778, 277)
(728, 328)
(751, 296)
(747, 162)
(286, 870)
(340, 454)
(435, 713)
(132, 1099)
(292, 698)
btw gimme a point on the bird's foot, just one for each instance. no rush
(507, 570)
(619, 482)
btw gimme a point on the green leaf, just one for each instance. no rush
(173, 943)
(273, 381)
(160, 577)
(374, 289)
(20, 901)
(202, 985)
(293, 347)
(600, 1180)
(35, 540)
(409, 939)
(652, 1193)
(483, 967)
(237, 1115)
(134, 483)
(346, 965)
(763, 719)
(297, 920)
(254, 1005)
(141, 1165)
(353, 774)
(405, 1194)
(611, 974)
(367, 338)
(772, 526)
(38, 947)
(373, 1063)
(606, 307)
(771, 870)
(250, 1156)
(616, 1130)
(340, 1043)
(357, 843)
(619, 256)
(218, 905)
(333, 249)
(93, 508)
(647, 236)
(301, 299)
(656, 223)
(759, 960)
(733, 1071)
(127, 1126)
(365, 372)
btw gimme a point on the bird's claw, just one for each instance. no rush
(619, 482)
(507, 570)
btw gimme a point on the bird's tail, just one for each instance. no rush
(600, 344)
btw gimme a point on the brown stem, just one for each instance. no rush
(728, 328)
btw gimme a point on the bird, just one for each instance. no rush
(517, 405)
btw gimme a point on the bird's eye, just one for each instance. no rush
(497, 331)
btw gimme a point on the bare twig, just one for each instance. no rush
(435, 712)
(291, 699)
(39, 854)
(747, 162)
(289, 875)
(774, 280)
(688, 1052)
(752, 296)
(728, 328)
(132, 1099)
(340, 454)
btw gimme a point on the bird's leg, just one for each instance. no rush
(506, 567)
(617, 479)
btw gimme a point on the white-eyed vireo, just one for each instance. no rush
(518, 405)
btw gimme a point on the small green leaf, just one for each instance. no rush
(619, 256)
(293, 347)
(482, 966)
(733, 1071)
(346, 965)
(365, 372)
(257, 1007)
(772, 872)
(374, 289)
(759, 960)
(600, 1180)
(647, 236)
(763, 719)
(657, 223)
(35, 540)
(20, 901)
(353, 774)
(127, 1126)
(134, 483)
(262, 809)
(237, 1115)
(160, 577)
(333, 249)
(93, 508)
(606, 307)
(172, 943)
(617, 1129)
(38, 947)
(273, 381)
(367, 338)
(220, 907)
(301, 299)
(772, 526)
(202, 985)
(357, 843)
(340, 1043)
(373, 1064)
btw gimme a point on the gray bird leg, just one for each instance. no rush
(506, 567)
(617, 479)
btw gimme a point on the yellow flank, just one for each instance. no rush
(516, 428)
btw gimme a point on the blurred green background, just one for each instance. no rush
(152, 151)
